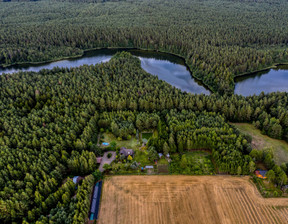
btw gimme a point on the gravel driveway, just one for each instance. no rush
(106, 160)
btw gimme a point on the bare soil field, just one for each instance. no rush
(187, 199)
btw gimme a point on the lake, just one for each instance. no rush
(272, 80)
(173, 70)
(167, 67)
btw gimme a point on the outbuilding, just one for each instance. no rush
(149, 167)
(261, 173)
(99, 159)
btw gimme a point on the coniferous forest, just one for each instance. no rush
(219, 40)
(50, 120)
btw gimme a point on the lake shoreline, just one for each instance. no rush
(183, 62)
(274, 66)
(85, 52)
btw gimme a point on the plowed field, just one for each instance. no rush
(187, 199)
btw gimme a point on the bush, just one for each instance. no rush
(97, 175)
(113, 145)
(109, 155)
(107, 167)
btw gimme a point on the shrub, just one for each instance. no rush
(109, 155)
(97, 175)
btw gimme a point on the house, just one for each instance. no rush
(99, 159)
(126, 152)
(261, 173)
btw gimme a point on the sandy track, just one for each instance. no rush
(187, 199)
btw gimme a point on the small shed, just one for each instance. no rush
(99, 159)
(149, 167)
(76, 179)
(145, 141)
(126, 152)
(261, 173)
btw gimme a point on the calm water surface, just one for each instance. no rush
(167, 67)
(173, 70)
(272, 80)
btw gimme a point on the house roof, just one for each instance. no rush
(261, 173)
(126, 152)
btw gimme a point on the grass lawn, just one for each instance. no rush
(129, 144)
(260, 141)
(147, 135)
(163, 161)
(142, 157)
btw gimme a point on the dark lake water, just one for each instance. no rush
(169, 68)
(173, 70)
(272, 80)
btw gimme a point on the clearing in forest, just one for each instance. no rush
(187, 199)
(129, 144)
(260, 141)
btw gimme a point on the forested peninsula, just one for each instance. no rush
(219, 40)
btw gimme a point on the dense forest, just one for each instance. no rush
(49, 121)
(218, 39)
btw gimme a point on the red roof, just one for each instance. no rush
(99, 159)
